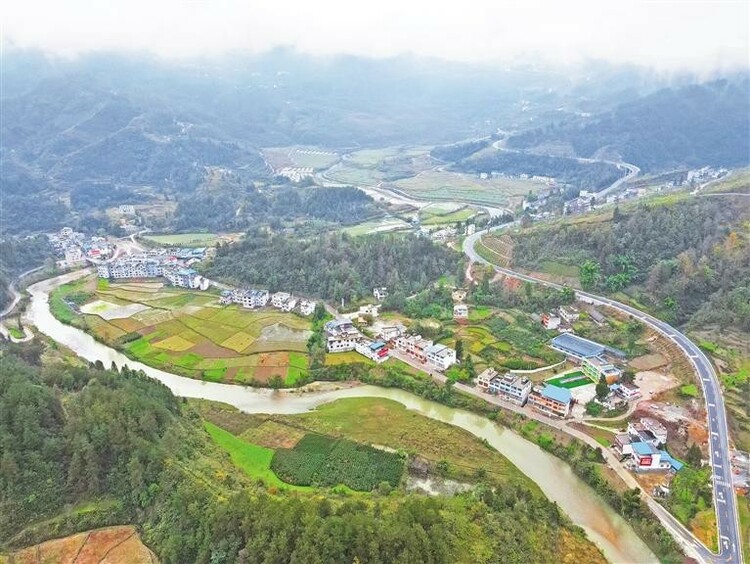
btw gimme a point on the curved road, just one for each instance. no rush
(725, 503)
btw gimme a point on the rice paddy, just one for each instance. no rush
(190, 333)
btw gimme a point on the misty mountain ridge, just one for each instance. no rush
(132, 120)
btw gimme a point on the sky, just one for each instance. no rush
(694, 35)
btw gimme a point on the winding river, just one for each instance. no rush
(554, 477)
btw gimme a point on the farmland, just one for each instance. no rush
(111, 544)
(437, 214)
(377, 226)
(452, 186)
(508, 338)
(463, 456)
(185, 239)
(283, 157)
(189, 332)
(318, 460)
(361, 420)
(252, 459)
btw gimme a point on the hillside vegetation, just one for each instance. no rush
(88, 447)
(692, 126)
(334, 266)
(687, 258)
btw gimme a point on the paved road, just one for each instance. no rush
(725, 503)
(16, 295)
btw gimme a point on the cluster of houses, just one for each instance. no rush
(643, 444)
(172, 264)
(75, 249)
(437, 356)
(557, 401)
(594, 360)
(252, 298)
(342, 336)
(550, 400)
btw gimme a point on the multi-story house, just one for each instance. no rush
(512, 387)
(551, 400)
(306, 307)
(279, 299)
(341, 335)
(596, 367)
(485, 377)
(440, 356)
(374, 350)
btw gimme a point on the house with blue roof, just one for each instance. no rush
(551, 400)
(648, 458)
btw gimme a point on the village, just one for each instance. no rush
(589, 380)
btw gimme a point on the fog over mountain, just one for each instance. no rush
(697, 36)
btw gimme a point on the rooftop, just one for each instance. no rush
(561, 395)
(578, 345)
(643, 449)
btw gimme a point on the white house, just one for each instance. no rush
(306, 307)
(341, 335)
(279, 299)
(512, 387)
(374, 350)
(441, 356)
(460, 311)
(485, 377)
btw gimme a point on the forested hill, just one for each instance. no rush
(692, 126)
(686, 257)
(88, 447)
(17, 256)
(334, 266)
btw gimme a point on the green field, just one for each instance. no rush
(438, 214)
(252, 459)
(318, 460)
(185, 239)
(361, 420)
(570, 380)
(190, 333)
(453, 186)
(377, 226)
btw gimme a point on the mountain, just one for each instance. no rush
(691, 126)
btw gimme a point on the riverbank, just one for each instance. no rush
(592, 519)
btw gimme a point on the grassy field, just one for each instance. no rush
(361, 420)
(438, 214)
(190, 333)
(252, 459)
(377, 226)
(452, 186)
(185, 239)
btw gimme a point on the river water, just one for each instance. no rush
(555, 478)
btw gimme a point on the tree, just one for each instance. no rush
(694, 457)
(275, 382)
(602, 389)
(459, 349)
(590, 273)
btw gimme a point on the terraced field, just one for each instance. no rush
(190, 333)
